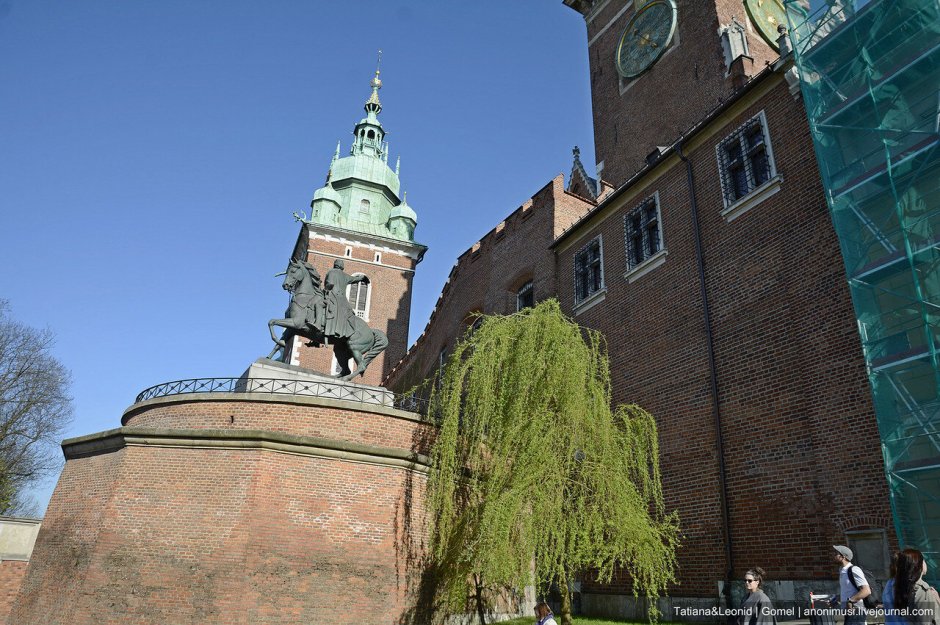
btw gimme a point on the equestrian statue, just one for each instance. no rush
(324, 315)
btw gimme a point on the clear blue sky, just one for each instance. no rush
(152, 153)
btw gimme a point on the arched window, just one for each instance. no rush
(364, 211)
(371, 134)
(358, 295)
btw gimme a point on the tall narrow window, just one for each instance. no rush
(642, 233)
(745, 159)
(525, 296)
(358, 295)
(588, 271)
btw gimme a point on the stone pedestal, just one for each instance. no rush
(236, 508)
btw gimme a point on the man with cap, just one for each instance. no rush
(852, 590)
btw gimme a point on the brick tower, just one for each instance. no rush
(362, 217)
(642, 76)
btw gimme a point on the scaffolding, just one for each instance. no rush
(870, 76)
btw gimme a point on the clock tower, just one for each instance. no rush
(647, 56)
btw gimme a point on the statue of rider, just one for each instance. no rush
(339, 314)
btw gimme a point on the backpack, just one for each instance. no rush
(872, 600)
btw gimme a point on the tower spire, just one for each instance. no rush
(373, 106)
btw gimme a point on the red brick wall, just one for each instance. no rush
(396, 429)
(487, 276)
(183, 534)
(631, 119)
(12, 573)
(801, 445)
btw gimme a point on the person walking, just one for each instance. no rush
(756, 609)
(851, 589)
(887, 596)
(916, 601)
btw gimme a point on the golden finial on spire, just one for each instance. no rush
(375, 81)
(372, 104)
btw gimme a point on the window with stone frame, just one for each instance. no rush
(525, 296)
(642, 232)
(441, 362)
(745, 159)
(588, 270)
(358, 295)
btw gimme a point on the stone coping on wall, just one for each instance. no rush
(128, 436)
(272, 398)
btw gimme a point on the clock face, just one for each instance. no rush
(766, 15)
(646, 37)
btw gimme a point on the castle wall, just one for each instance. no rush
(220, 510)
(17, 537)
(801, 449)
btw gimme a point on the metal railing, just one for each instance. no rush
(330, 390)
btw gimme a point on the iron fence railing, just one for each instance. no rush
(329, 390)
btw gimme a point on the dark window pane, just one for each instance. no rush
(739, 186)
(760, 165)
(754, 135)
(652, 238)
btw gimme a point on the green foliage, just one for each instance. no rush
(535, 477)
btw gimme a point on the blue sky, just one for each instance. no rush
(152, 153)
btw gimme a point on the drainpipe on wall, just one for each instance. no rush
(713, 383)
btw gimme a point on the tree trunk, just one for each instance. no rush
(565, 611)
(478, 595)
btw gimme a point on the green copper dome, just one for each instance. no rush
(403, 210)
(328, 193)
(362, 191)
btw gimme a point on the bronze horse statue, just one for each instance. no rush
(306, 317)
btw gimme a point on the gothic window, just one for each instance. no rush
(525, 296)
(642, 232)
(588, 271)
(745, 159)
(358, 295)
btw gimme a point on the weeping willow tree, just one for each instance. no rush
(534, 476)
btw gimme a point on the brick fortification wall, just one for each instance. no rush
(12, 573)
(235, 509)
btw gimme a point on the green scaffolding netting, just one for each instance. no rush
(870, 76)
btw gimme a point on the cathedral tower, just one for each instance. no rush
(648, 56)
(361, 216)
